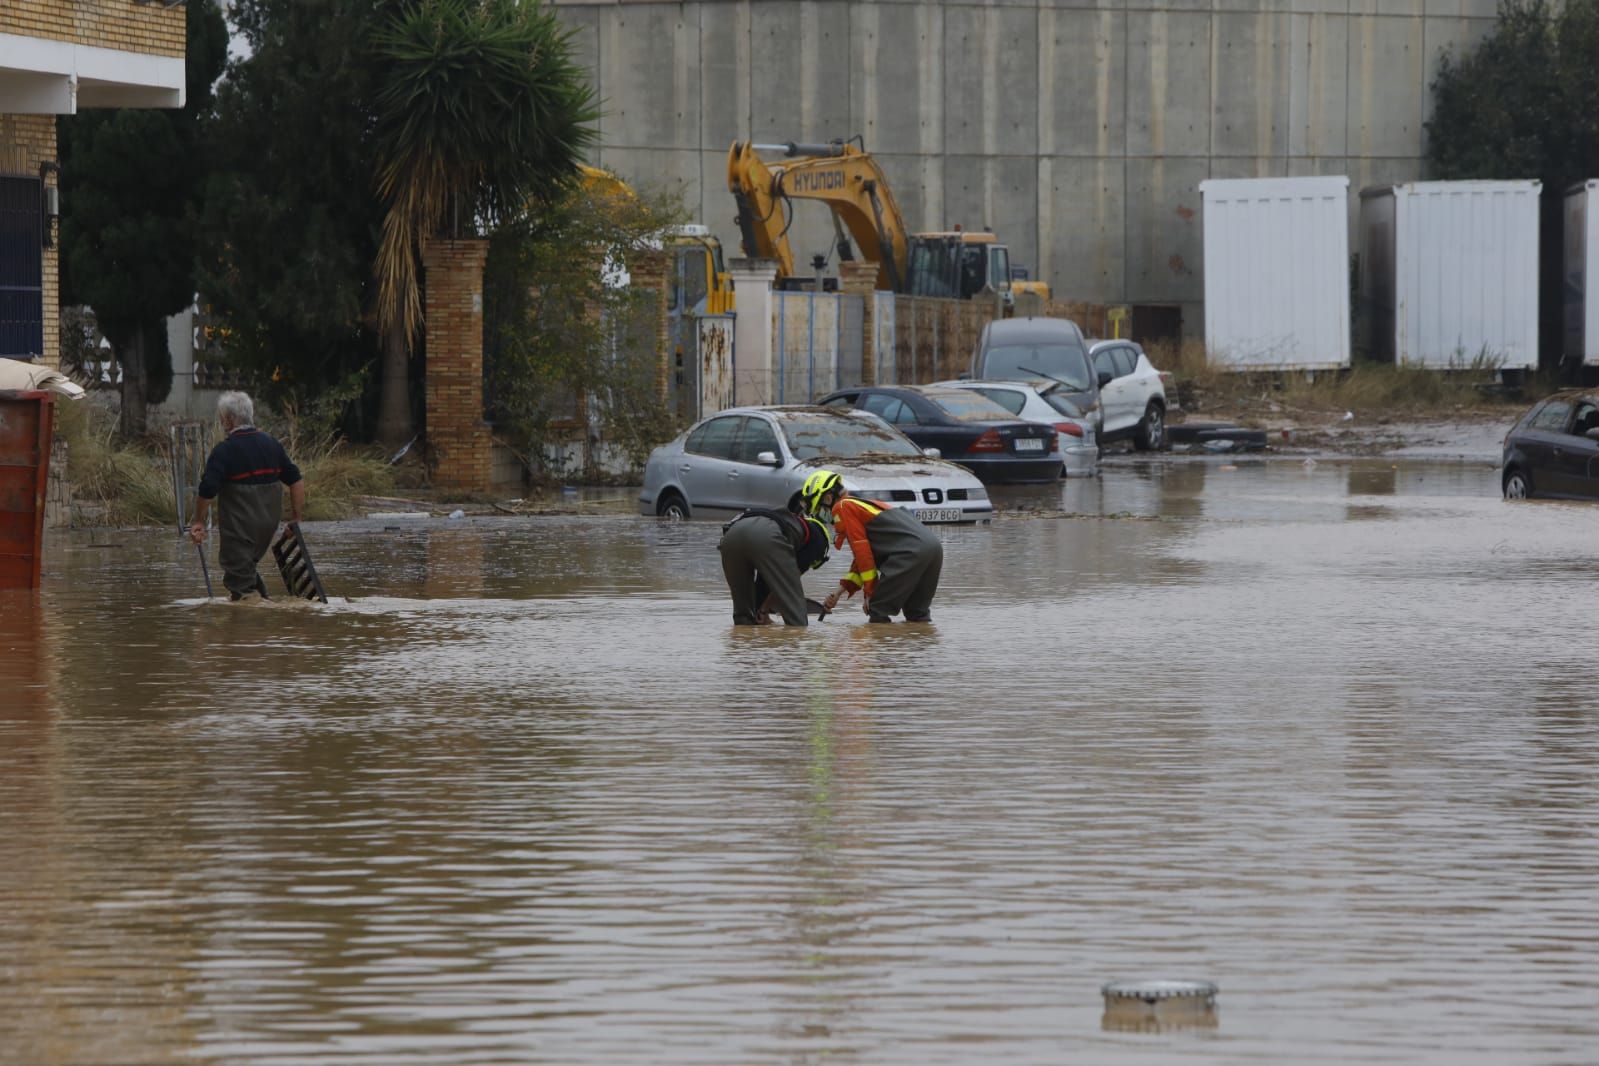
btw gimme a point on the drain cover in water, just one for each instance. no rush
(1158, 1005)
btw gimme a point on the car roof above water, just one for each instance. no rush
(1020, 329)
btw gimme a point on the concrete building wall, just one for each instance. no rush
(1078, 129)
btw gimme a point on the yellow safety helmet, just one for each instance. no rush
(816, 486)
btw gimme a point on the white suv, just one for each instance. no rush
(1132, 396)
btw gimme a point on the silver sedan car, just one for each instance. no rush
(760, 456)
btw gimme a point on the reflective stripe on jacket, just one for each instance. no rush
(850, 518)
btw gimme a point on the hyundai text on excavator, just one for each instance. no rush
(843, 176)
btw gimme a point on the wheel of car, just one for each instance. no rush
(1151, 435)
(671, 505)
(1518, 484)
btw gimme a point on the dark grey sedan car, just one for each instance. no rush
(1554, 449)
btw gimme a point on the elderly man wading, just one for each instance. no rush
(243, 475)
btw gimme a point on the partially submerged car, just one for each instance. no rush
(1553, 449)
(1132, 394)
(760, 456)
(1047, 403)
(966, 428)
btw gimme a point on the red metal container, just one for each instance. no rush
(26, 421)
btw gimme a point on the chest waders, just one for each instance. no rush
(763, 542)
(910, 558)
(247, 517)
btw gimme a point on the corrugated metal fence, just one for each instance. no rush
(816, 344)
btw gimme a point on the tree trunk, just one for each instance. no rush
(135, 414)
(394, 397)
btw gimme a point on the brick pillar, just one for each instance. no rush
(458, 438)
(753, 307)
(651, 276)
(858, 278)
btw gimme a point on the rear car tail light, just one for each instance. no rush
(988, 442)
(1071, 429)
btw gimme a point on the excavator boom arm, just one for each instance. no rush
(839, 175)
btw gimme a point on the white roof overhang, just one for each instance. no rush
(45, 77)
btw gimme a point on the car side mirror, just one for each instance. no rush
(768, 459)
(1592, 434)
(1104, 378)
(932, 453)
(964, 375)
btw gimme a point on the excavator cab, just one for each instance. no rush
(958, 266)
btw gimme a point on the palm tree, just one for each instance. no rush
(481, 111)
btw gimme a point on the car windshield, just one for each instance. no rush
(1065, 363)
(824, 436)
(969, 406)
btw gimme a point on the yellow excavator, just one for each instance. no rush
(700, 282)
(840, 174)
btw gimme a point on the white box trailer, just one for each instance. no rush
(1449, 273)
(1276, 273)
(1581, 294)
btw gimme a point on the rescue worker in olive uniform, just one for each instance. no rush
(245, 474)
(896, 560)
(764, 552)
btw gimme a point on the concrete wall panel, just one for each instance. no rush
(991, 68)
(1083, 209)
(1250, 108)
(650, 75)
(1083, 101)
(1164, 252)
(1385, 86)
(725, 66)
(1318, 100)
(897, 76)
(1168, 83)
(801, 62)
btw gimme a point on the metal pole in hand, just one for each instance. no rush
(204, 569)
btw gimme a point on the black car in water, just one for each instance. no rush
(966, 427)
(1554, 450)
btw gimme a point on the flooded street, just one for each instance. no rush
(1326, 734)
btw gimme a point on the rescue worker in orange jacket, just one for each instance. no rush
(895, 560)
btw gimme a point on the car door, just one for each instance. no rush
(1113, 398)
(1581, 453)
(704, 469)
(753, 483)
(1542, 444)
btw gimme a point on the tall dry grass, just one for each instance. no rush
(1370, 387)
(122, 483)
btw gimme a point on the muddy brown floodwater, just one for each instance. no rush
(1327, 735)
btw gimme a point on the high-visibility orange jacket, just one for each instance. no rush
(850, 518)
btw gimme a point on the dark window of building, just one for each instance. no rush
(21, 268)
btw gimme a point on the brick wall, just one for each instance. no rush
(25, 142)
(459, 441)
(149, 29)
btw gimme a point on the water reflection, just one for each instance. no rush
(521, 793)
